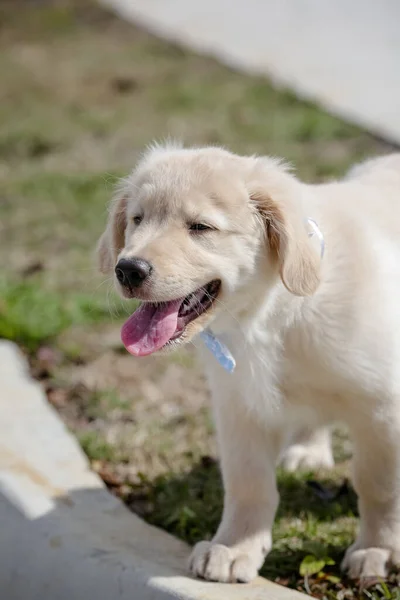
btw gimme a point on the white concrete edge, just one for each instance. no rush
(367, 98)
(63, 535)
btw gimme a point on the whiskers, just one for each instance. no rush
(117, 307)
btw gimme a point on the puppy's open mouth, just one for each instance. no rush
(154, 325)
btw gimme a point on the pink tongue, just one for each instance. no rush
(150, 327)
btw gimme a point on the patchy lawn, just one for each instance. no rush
(81, 94)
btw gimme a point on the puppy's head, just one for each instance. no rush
(197, 235)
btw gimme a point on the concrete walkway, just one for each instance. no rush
(63, 536)
(343, 54)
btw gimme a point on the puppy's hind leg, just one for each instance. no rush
(309, 449)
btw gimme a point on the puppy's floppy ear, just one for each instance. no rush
(112, 240)
(286, 230)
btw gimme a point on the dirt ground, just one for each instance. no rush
(82, 93)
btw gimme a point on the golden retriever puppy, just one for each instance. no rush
(300, 285)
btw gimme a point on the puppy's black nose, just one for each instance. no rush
(132, 272)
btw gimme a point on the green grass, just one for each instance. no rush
(97, 448)
(81, 94)
(32, 315)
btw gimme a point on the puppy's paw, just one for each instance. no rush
(216, 562)
(362, 563)
(299, 457)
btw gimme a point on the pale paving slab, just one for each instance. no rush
(342, 54)
(63, 535)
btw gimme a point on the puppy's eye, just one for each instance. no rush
(198, 227)
(137, 219)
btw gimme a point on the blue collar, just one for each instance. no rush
(220, 351)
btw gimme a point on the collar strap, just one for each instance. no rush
(316, 232)
(220, 351)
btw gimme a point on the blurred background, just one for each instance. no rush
(82, 92)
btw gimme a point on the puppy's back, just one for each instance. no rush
(384, 170)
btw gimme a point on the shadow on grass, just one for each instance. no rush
(311, 516)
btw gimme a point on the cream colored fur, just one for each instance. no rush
(315, 341)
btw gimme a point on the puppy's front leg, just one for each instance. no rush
(376, 477)
(248, 454)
